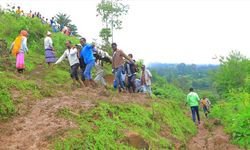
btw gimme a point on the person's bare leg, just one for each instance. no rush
(80, 82)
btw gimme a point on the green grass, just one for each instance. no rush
(6, 105)
(34, 62)
(235, 116)
(9, 83)
(104, 126)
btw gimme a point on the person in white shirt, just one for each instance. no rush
(72, 54)
(49, 49)
(146, 77)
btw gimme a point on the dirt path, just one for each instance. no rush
(33, 130)
(210, 139)
(40, 123)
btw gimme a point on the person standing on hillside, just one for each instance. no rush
(146, 78)
(19, 11)
(19, 47)
(49, 50)
(71, 54)
(118, 66)
(29, 14)
(193, 102)
(82, 64)
(131, 69)
(89, 60)
(205, 104)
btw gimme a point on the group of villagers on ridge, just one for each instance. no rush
(83, 57)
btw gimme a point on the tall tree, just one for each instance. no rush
(111, 12)
(63, 20)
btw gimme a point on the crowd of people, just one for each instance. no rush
(55, 26)
(83, 57)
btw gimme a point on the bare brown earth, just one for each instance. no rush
(37, 121)
(40, 123)
(210, 138)
(33, 129)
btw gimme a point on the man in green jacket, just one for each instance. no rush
(193, 102)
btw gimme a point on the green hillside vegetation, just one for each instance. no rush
(105, 126)
(227, 87)
(185, 76)
(159, 123)
(163, 114)
(38, 82)
(39, 85)
(232, 82)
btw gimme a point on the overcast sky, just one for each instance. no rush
(163, 30)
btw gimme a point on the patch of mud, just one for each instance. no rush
(215, 139)
(109, 79)
(32, 130)
(135, 140)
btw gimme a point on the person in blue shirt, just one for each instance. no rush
(89, 59)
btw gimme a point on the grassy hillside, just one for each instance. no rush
(161, 123)
(231, 80)
(235, 115)
(107, 127)
(38, 80)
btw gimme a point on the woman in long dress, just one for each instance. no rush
(49, 50)
(19, 48)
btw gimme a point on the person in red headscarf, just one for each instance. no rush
(19, 47)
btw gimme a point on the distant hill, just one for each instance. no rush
(173, 65)
(185, 75)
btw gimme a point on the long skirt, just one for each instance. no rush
(20, 60)
(50, 56)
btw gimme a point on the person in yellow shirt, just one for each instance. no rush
(19, 11)
(205, 105)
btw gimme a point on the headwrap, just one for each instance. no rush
(18, 41)
(24, 33)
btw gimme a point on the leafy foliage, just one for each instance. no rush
(63, 20)
(232, 72)
(105, 34)
(232, 82)
(185, 76)
(111, 12)
(162, 89)
(235, 114)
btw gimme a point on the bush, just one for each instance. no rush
(235, 114)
